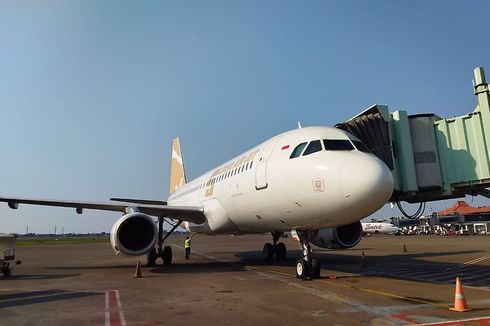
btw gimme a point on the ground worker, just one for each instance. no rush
(187, 246)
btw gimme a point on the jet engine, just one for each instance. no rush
(342, 237)
(134, 234)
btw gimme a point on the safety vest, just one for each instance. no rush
(187, 243)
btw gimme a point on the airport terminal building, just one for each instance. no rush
(474, 220)
(461, 218)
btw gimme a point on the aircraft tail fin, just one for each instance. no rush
(177, 172)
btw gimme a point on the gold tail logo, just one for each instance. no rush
(177, 173)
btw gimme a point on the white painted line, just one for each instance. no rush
(114, 309)
(458, 321)
(469, 263)
(119, 307)
(107, 310)
(196, 252)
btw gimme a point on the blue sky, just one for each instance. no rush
(92, 92)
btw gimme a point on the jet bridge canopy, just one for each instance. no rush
(431, 158)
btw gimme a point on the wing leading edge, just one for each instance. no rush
(192, 214)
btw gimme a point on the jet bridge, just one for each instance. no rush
(431, 158)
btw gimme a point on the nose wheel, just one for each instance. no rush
(308, 267)
(276, 249)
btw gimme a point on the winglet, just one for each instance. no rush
(299, 125)
(177, 172)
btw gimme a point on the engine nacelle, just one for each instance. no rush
(134, 234)
(342, 237)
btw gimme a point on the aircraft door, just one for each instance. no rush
(261, 167)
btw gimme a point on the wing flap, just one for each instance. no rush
(139, 201)
(192, 214)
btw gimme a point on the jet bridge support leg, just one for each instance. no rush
(307, 267)
(163, 252)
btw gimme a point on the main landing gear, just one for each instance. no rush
(165, 253)
(277, 249)
(307, 267)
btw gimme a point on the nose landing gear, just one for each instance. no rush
(307, 267)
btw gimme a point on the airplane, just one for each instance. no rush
(380, 227)
(318, 181)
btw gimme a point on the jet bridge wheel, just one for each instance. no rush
(167, 255)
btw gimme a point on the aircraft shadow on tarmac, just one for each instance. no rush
(27, 277)
(35, 297)
(200, 267)
(119, 266)
(406, 265)
(403, 265)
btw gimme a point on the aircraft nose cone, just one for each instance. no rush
(367, 184)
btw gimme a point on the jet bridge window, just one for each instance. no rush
(338, 145)
(313, 147)
(297, 150)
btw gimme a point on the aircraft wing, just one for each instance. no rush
(192, 214)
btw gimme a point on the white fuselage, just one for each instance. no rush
(265, 190)
(380, 227)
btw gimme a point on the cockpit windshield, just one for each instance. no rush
(338, 145)
(361, 146)
(328, 145)
(313, 147)
(298, 150)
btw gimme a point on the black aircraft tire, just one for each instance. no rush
(280, 251)
(151, 257)
(302, 269)
(315, 268)
(167, 255)
(268, 251)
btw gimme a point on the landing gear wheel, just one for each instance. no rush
(167, 255)
(151, 257)
(315, 268)
(280, 251)
(268, 251)
(7, 272)
(302, 269)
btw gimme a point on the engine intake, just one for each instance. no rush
(342, 237)
(134, 234)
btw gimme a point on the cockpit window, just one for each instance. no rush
(297, 150)
(338, 145)
(314, 146)
(361, 146)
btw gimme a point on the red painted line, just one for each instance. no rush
(483, 321)
(405, 318)
(114, 311)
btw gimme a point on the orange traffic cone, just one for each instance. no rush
(363, 260)
(459, 300)
(137, 273)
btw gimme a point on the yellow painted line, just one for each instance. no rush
(377, 292)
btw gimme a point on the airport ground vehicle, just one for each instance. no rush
(7, 254)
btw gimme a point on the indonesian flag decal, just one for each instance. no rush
(285, 147)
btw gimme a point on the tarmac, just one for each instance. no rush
(402, 280)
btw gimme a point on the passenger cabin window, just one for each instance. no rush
(314, 146)
(338, 145)
(361, 146)
(297, 150)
